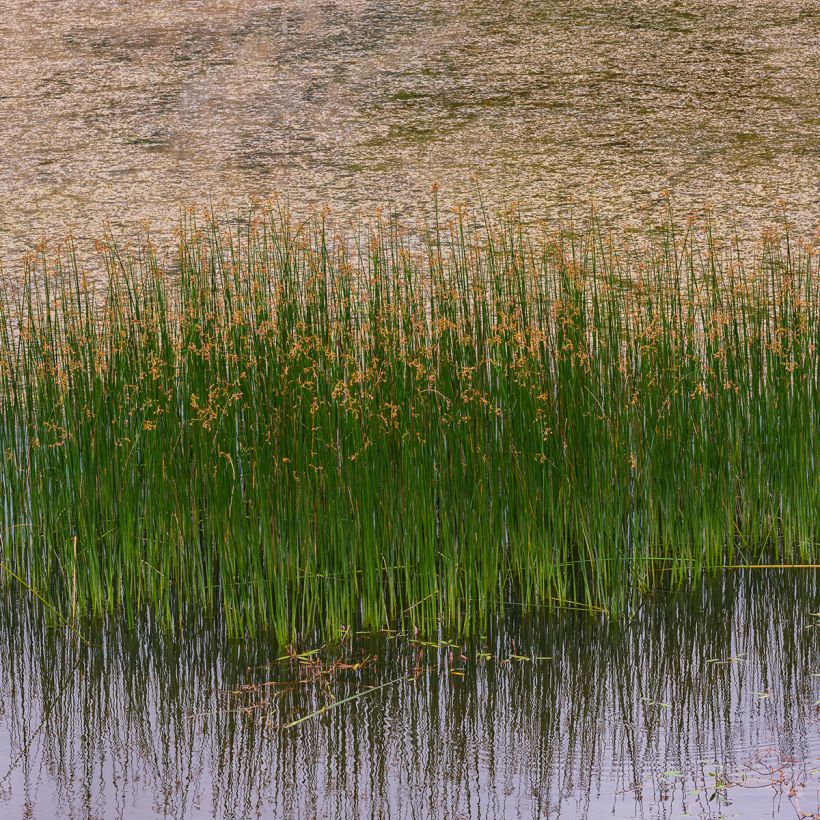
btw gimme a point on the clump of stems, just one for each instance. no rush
(304, 431)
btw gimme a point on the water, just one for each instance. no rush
(699, 704)
(120, 112)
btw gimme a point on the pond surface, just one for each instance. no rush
(121, 111)
(698, 704)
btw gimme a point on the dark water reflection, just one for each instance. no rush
(708, 694)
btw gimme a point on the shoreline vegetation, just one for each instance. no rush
(305, 433)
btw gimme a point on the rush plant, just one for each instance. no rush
(304, 431)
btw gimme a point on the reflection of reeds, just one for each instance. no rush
(581, 729)
(304, 433)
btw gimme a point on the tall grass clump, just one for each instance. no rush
(303, 431)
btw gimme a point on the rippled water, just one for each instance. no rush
(122, 111)
(701, 704)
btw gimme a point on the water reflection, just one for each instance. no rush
(121, 111)
(702, 703)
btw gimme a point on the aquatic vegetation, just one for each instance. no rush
(306, 432)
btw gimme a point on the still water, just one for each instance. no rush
(697, 704)
(121, 111)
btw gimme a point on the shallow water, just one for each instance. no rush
(123, 111)
(700, 704)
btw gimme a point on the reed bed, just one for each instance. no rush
(307, 432)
